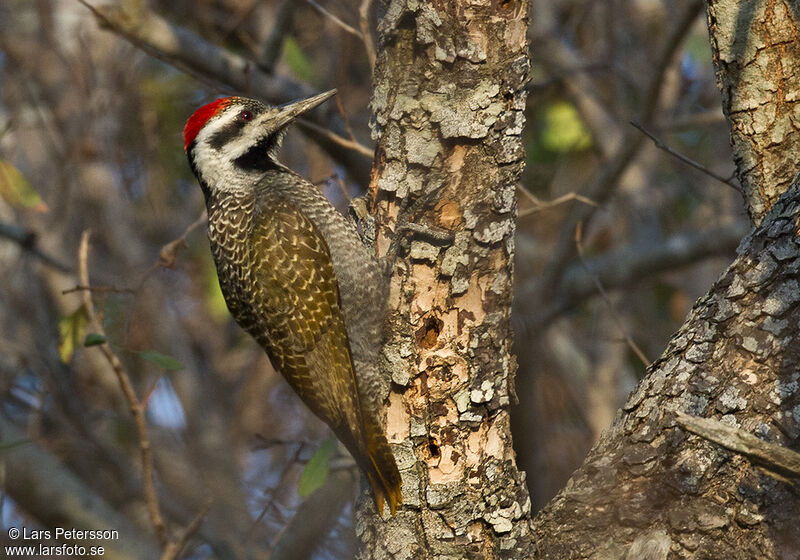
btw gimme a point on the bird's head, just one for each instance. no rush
(232, 141)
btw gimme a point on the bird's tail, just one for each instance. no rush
(381, 469)
(368, 446)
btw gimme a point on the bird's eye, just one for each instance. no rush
(246, 116)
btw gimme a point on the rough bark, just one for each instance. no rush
(651, 487)
(756, 49)
(448, 117)
(648, 486)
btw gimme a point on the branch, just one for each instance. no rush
(623, 267)
(601, 290)
(315, 517)
(335, 19)
(775, 457)
(54, 496)
(274, 43)
(174, 548)
(366, 36)
(192, 54)
(540, 205)
(26, 239)
(137, 410)
(687, 160)
(602, 187)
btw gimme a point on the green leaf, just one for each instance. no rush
(94, 339)
(6, 445)
(161, 360)
(17, 191)
(70, 330)
(563, 130)
(316, 472)
(297, 61)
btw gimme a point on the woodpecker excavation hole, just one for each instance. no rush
(429, 332)
(433, 447)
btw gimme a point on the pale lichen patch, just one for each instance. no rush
(397, 419)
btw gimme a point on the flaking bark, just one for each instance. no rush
(448, 110)
(756, 48)
(649, 488)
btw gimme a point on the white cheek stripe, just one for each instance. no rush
(218, 123)
(216, 167)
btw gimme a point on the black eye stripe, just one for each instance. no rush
(226, 134)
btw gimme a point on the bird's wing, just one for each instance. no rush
(300, 322)
(296, 300)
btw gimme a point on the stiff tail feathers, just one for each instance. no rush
(381, 471)
(374, 457)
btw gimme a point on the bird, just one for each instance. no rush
(295, 274)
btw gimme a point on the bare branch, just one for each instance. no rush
(111, 289)
(47, 490)
(604, 183)
(687, 160)
(366, 36)
(335, 138)
(274, 43)
(197, 57)
(191, 53)
(539, 205)
(27, 241)
(614, 315)
(174, 548)
(622, 267)
(775, 457)
(339, 23)
(137, 410)
(169, 252)
(315, 516)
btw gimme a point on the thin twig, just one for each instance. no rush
(340, 108)
(622, 267)
(685, 159)
(174, 548)
(539, 205)
(614, 315)
(702, 120)
(777, 457)
(271, 502)
(611, 169)
(27, 241)
(190, 53)
(137, 411)
(111, 289)
(344, 26)
(169, 251)
(335, 138)
(274, 43)
(366, 35)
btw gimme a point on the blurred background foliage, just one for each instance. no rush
(90, 138)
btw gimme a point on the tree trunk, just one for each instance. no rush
(648, 484)
(448, 105)
(756, 48)
(650, 488)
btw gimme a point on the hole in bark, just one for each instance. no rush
(428, 333)
(433, 448)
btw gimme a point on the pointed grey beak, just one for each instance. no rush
(294, 109)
